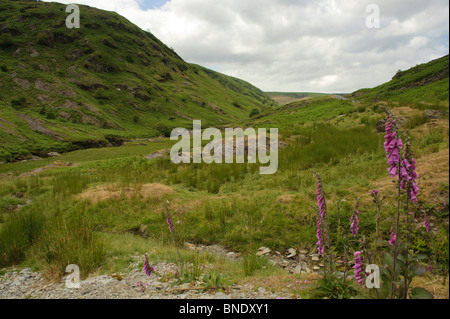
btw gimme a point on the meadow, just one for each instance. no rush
(112, 204)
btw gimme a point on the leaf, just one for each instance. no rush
(420, 257)
(421, 293)
(416, 270)
(388, 259)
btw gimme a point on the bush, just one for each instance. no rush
(4, 68)
(18, 102)
(254, 112)
(164, 129)
(100, 94)
(332, 287)
(51, 115)
(6, 41)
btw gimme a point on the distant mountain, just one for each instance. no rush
(427, 82)
(62, 89)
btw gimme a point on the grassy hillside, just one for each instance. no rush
(111, 205)
(428, 82)
(63, 89)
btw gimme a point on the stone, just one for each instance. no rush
(231, 255)
(291, 253)
(262, 251)
(304, 252)
(298, 270)
(315, 258)
(25, 271)
(53, 154)
(434, 114)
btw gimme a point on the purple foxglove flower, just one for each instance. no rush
(169, 222)
(358, 268)
(393, 239)
(320, 247)
(147, 268)
(427, 225)
(354, 223)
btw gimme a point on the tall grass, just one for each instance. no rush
(324, 144)
(71, 241)
(17, 236)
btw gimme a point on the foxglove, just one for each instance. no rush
(358, 268)
(354, 223)
(427, 225)
(393, 239)
(147, 268)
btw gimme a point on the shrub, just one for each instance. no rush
(164, 129)
(18, 102)
(6, 41)
(4, 68)
(100, 94)
(51, 115)
(254, 112)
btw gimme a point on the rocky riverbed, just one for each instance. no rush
(162, 284)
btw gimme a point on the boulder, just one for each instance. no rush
(434, 114)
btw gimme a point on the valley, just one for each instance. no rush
(106, 97)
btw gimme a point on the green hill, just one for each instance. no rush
(63, 89)
(428, 82)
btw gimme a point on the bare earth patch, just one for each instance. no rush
(102, 193)
(433, 170)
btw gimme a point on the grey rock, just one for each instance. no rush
(291, 253)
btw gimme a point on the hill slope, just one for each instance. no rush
(428, 82)
(62, 89)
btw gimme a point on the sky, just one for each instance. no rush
(296, 45)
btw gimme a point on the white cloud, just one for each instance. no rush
(296, 45)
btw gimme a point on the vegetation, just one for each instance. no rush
(97, 80)
(111, 204)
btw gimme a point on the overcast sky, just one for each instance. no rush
(295, 45)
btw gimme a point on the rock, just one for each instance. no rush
(262, 290)
(158, 155)
(291, 253)
(434, 114)
(262, 251)
(304, 252)
(298, 270)
(25, 271)
(231, 255)
(315, 258)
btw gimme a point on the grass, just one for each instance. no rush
(423, 86)
(109, 73)
(53, 219)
